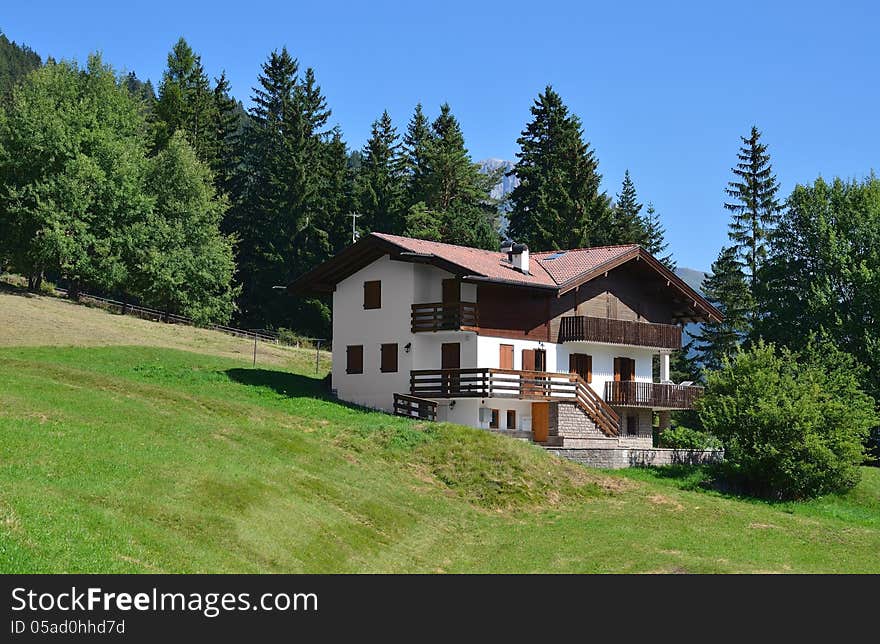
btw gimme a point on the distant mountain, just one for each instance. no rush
(692, 278)
(507, 184)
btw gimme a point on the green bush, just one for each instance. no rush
(793, 425)
(687, 438)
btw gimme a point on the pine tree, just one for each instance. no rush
(186, 102)
(656, 237)
(227, 125)
(285, 212)
(627, 226)
(338, 192)
(381, 181)
(455, 188)
(558, 202)
(754, 206)
(728, 290)
(415, 146)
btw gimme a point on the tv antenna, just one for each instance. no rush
(354, 232)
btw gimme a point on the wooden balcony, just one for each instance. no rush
(522, 385)
(437, 316)
(651, 394)
(582, 328)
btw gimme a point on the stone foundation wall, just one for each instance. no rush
(620, 457)
(577, 430)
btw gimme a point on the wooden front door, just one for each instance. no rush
(540, 421)
(450, 358)
(505, 357)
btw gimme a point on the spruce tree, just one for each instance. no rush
(754, 206)
(227, 125)
(656, 243)
(728, 290)
(381, 181)
(285, 213)
(186, 102)
(455, 188)
(627, 226)
(558, 202)
(415, 147)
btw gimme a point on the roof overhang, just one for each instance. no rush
(322, 279)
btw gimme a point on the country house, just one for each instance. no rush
(569, 348)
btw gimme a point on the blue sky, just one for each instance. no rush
(664, 89)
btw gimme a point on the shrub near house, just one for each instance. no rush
(793, 425)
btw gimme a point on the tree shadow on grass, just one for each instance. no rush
(292, 385)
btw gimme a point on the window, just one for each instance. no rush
(511, 419)
(493, 424)
(388, 363)
(582, 365)
(373, 295)
(354, 359)
(632, 425)
(624, 369)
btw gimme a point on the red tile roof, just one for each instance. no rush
(494, 265)
(560, 270)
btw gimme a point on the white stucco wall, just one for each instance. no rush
(603, 361)
(405, 283)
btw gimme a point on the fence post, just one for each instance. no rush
(255, 348)
(317, 355)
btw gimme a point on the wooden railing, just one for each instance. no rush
(644, 334)
(522, 385)
(413, 407)
(437, 316)
(651, 394)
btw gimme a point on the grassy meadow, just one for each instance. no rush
(133, 446)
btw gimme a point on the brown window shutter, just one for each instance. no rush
(388, 363)
(505, 358)
(528, 359)
(373, 295)
(589, 368)
(354, 359)
(617, 369)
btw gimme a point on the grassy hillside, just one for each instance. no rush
(130, 446)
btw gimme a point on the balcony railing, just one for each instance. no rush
(651, 394)
(644, 334)
(437, 316)
(522, 385)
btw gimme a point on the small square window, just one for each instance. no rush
(511, 419)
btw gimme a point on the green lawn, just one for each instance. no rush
(150, 459)
(157, 459)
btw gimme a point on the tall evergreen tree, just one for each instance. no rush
(338, 191)
(283, 218)
(227, 127)
(754, 206)
(381, 181)
(656, 243)
(627, 226)
(728, 290)
(456, 189)
(558, 202)
(416, 140)
(186, 102)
